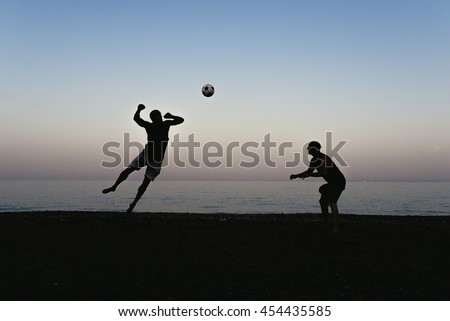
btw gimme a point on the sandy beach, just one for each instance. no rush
(157, 256)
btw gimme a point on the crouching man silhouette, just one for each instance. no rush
(322, 166)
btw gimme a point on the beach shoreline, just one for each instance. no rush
(54, 255)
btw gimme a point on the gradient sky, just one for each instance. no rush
(374, 73)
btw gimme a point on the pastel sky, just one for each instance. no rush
(376, 74)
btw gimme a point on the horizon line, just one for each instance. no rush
(230, 180)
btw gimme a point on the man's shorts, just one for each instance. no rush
(330, 193)
(153, 168)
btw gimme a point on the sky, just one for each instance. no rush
(372, 75)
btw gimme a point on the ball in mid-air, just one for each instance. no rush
(208, 90)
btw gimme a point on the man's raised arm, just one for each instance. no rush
(175, 120)
(137, 117)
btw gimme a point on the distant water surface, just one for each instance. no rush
(386, 198)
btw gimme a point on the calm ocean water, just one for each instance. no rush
(387, 198)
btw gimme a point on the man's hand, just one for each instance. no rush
(301, 175)
(141, 107)
(168, 115)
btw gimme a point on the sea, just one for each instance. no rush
(234, 197)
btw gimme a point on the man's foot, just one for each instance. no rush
(108, 190)
(130, 209)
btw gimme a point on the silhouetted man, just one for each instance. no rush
(153, 154)
(330, 192)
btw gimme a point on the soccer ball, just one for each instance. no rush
(208, 90)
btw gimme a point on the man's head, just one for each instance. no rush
(314, 148)
(155, 116)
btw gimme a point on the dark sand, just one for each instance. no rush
(114, 256)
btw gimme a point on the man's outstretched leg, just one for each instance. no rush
(140, 192)
(123, 176)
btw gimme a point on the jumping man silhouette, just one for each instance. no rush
(153, 154)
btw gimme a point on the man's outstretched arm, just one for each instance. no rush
(310, 173)
(137, 117)
(175, 120)
(307, 173)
